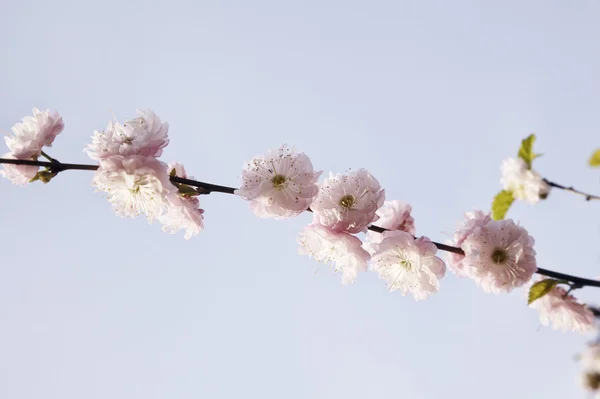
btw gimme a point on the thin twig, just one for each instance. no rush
(208, 188)
(588, 197)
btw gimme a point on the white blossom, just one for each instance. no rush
(144, 135)
(280, 184)
(135, 185)
(525, 184)
(408, 264)
(340, 250)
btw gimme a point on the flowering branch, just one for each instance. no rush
(56, 167)
(588, 197)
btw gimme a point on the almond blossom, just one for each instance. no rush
(183, 210)
(466, 227)
(135, 185)
(29, 137)
(144, 135)
(348, 202)
(499, 256)
(280, 184)
(393, 215)
(563, 312)
(340, 250)
(590, 367)
(408, 264)
(525, 184)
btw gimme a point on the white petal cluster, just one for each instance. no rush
(525, 184)
(280, 184)
(408, 264)
(144, 135)
(342, 251)
(135, 185)
(183, 210)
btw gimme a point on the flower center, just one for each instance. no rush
(278, 181)
(499, 256)
(347, 201)
(406, 264)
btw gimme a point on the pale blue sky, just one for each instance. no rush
(429, 96)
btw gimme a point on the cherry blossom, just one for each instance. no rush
(144, 135)
(525, 184)
(183, 210)
(563, 312)
(466, 227)
(342, 251)
(29, 137)
(393, 215)
(408, 264)
(280, 184)
(590, 367)
(135, 185)
(348, 202)
(499, 256)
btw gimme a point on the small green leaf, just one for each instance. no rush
(526, 150)
(187, 190)
(502, 201)
(541, 288)
(595, 158)
(173, 172)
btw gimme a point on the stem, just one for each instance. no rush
(588, 197)
(208, 188)
(48, 157)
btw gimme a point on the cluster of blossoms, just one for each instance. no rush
(136, 182)
(29, 137)
(499, 257)
(524, 183)
(497, 254)
(283, 184)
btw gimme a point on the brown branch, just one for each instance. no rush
(56, 167)
(588, 197)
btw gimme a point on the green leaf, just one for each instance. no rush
(502, 201)
(187, 190)
(595, 158)
(173, 172)
(541, 288)
(526, 150)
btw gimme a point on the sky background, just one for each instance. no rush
(429, 96)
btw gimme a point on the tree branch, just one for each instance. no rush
(588, 197)
(207, 188)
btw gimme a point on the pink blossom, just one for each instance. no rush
(27, 141)
(408, 264)
(563, 312)
(499, 256)
(33, 133)
(280, 184)
(348, 202)
(393, 215)
(18, 174)
(135, 184)
(183, 210)
(144, 135)
(472, 220)
(342, 251)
